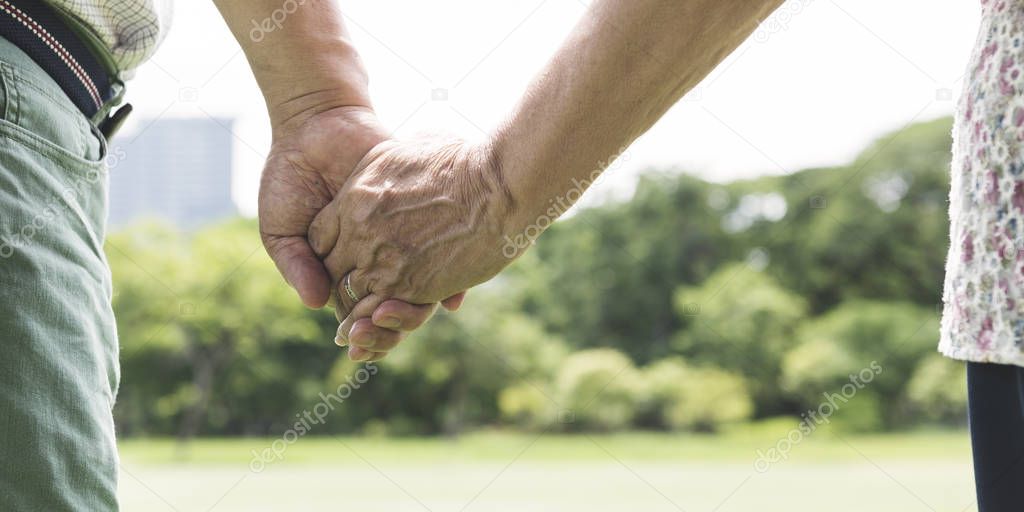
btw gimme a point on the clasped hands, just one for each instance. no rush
(405, 224)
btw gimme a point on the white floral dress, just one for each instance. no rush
(983, 294)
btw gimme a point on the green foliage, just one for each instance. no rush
(755, 299)
(606, 276)
(451, 373)
(877, 343)
(597, 390)
(874, 229)
(938, 390)
(190, 360)
(863, 413)
(528, 405)
(741, 319)
(680, 397)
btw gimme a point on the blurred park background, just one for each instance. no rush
(696, 324)
(742, 316)
(693, 306)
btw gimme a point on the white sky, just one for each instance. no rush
(837, 75)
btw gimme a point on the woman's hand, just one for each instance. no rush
(418, 221)
(309, 163)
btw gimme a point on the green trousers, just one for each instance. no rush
(58, 340)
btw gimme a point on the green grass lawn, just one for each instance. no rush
(497, 472)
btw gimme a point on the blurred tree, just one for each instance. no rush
(597, 390)
(680, 397)
(209, 333)
(938, 391)
(741, 320)
(876, 344)
(213, 341)
(449, 375)
(875, 229)
(605, 277)
(528, 405)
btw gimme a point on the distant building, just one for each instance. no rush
(178, 170)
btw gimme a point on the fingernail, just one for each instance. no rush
(362, 338)
(339, 341)
(390, 322)
(358, 357)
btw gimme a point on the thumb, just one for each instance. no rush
(454, 302)
(300, 267)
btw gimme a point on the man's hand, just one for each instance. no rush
(418, 221)
(309, 162)
(315, 89)
(311, 159)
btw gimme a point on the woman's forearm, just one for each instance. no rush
(624, 65)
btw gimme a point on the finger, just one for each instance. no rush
(348, 292)
(454, 302)
(325, 240)
(370, 337)
(400, 315)
(363, 309)
(324, 230)
(377, 356)
(300, 268)
(340, 260)
(360, 354)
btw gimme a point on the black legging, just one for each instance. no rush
(996, 414)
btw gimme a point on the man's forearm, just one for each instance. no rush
(624, 65)
(302, 57)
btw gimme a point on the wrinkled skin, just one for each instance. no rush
(419, 221)
(309, 163)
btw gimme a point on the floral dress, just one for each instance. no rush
(983, 293)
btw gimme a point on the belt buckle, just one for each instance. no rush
(112, 123)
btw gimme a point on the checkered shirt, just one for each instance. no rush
(131, 29)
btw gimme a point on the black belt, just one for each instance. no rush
(43, 34)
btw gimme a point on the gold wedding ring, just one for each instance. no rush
(348, 288)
